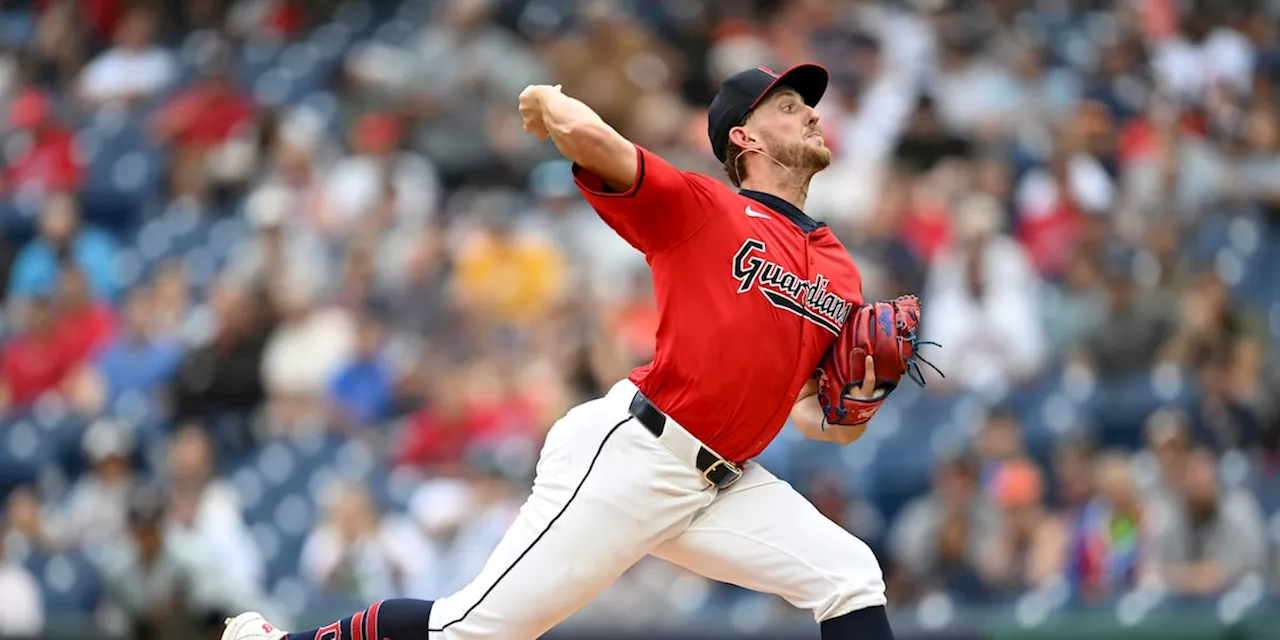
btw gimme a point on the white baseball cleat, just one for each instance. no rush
(251, 626)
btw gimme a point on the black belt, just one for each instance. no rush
(716, 470)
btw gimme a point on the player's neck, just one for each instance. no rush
(793, 189)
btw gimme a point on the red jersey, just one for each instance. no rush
(751, 292)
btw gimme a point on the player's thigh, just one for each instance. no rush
(763, 535)
(606, 493)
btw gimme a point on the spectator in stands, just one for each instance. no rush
(1209, 537)
(1028, 549)
(926, 141)
(1111, 539)
(1256, 176)
(380, 189)
(138, 363)
(168, 587)
(22, 610)
(298, 156)
(84, 323)
(358, 552)
(171, 316)
(1137, 324)
(1078, 308)
(990, 297)
(33, 362)
(1209, 324)
(452, 77)
(938, 539)
(999, 441)
(441, 506)
(504, 277)
(1218, 340)
(598, 256)
(1168, 439)
(1202, 54)
(1055, 203)
(1174, 181)
(204, 510)
(63, 234)
(225, 374)
(206, 114)
(49, 161)
(363, 391)
(283, 247)
(1073, 463)
(304, 352)
(92, 515)
(133, 71)
(56, 50)
(437, 436)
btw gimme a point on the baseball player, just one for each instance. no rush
(752, 295)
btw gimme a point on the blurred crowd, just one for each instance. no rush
(291, 300)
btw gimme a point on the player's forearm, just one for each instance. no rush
(808, 417)
(586, 139)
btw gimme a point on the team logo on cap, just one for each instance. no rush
(785, 290)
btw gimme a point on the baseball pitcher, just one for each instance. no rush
(762, 318)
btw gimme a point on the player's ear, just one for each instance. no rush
(742, 138)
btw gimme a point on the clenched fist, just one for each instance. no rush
(531, 100)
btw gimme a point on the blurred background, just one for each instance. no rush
(290, 301)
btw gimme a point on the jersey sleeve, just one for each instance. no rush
(663, 207)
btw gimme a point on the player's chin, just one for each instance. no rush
(819, 157)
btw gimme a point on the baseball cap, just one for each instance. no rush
(743, 91)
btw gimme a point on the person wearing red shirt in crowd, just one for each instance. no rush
(49, 161)
(473, 408)
(34, 361)
(751, 292)
(83, 325)
(207, 114)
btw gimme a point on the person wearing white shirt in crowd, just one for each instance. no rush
(283, 247)
(379, 188)
(983, 300)
(361, 553)
(22, 607)
(132, 71)
(304, 353)
(204, 511)
(94, 512)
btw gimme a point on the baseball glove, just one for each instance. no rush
(884, 330)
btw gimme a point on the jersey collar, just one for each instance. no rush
(792, 212)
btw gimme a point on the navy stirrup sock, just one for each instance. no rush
(400, 619)
(871, 623)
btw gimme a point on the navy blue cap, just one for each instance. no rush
(743, 91)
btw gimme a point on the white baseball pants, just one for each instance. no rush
(608, 492)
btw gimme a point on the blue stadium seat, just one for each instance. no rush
(23, 451)
(69, 584)
(1122, 405)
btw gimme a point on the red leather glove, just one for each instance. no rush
(884, 330)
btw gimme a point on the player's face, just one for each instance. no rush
(789, 132)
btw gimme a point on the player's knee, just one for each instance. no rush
(857, 583)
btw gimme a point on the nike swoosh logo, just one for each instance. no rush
(752, 213)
